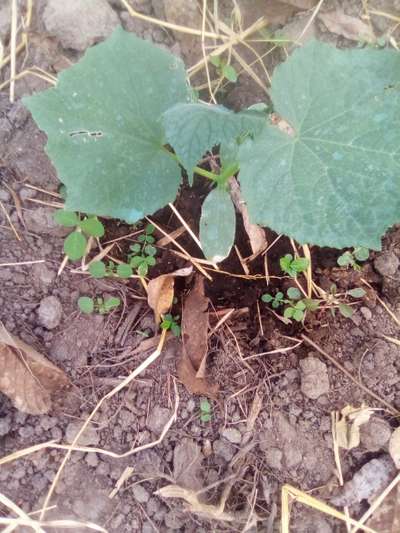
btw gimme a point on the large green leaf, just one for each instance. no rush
(192, 129)
(336, 181)
(104, 133)
(217, 225)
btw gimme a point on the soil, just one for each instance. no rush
(290, 439)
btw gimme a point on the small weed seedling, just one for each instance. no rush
(292, 267)
(142, 253)
(205, 410)
(224, 69)
(97, 305)
(76, 243)
(349, 259)
(141, 256)
(296, 306)
(169, 322)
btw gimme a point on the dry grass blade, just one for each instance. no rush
(347, 429)
(26, 376)
(290, 494)
(10, 221)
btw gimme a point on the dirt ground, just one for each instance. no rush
(271, 423)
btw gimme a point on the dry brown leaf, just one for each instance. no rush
(192, 364)
(386, 518)
(349, 27)
(394, 447)
(26, 376)
(348, 427)
(160, 292)
(256, 233)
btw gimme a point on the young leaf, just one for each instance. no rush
(98, 269)
(361, 253)
(289, 312)
(300, 264)
(111, 303)
(205, 405)
(358, 292)
(104, 134)
(136, 261)
(230, 73)
(150, 260)
(346, 259)
(345, 310)
(293, 293)
(150, 250)
(311, 304)
(75, 245)
(192, 129)
(217, 225)
(135, 248)
(86, 304)
(334, 182)
(92, 226)
(124, 271)
(267, 298)
(285, 263)
(298, 315)
(149, 229)
(175, 329)
(215, 60)
(66, 218)
(143, 268)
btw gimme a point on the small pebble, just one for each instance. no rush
(50, 312)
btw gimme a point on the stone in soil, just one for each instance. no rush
(367, 482)
(233, 435)
(50, 312)
(375, 434)
(41, 221)
(90, 436)
(386, 264)
(187, 464)
(80, 23)
(314, 377)
(158, 418)
(140, 494)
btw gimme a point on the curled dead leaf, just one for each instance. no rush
(394, 447)
(160, 292)
(192, 364)
(26, 376)
(349, 27)
(348, 427)
(256, 233)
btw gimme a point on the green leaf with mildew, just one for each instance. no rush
(336, 180)
(104, 134)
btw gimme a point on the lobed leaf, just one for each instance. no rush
(104, 134)
(335, 181)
